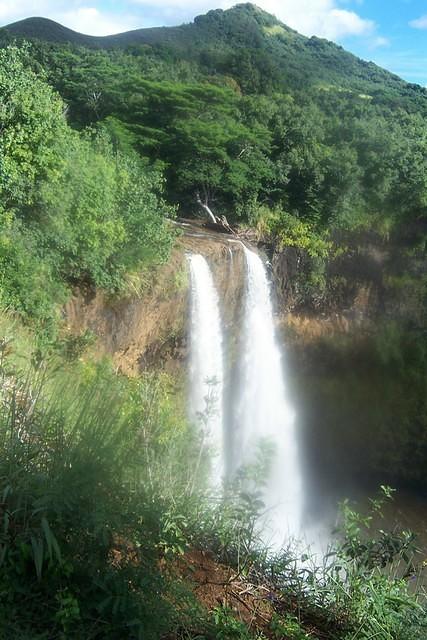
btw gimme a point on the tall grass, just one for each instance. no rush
(99, 498)
(85, 512)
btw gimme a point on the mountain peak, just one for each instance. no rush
(41, 28)
(242, 12)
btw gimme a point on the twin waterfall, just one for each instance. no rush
(260, 421)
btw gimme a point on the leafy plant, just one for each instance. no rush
(227, 627)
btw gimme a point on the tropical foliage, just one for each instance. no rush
(249, 114)
(72, 208)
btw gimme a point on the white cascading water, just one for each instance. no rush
(206, 360)
(263, 411)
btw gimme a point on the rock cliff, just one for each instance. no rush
(146, 330)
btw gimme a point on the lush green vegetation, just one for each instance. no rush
(249, 114)
(247, 44)
(328, 156)
(73, 209)
(102, 507)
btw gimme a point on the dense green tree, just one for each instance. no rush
(73, 208)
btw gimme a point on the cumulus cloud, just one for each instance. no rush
(419, 23)
(322, 18)
(85, 19)
(96, 23)
(16, 9)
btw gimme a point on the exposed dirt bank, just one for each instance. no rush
(146, 330)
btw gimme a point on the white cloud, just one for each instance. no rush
(16, 9)
(380, 41)
(419, 23)
(92, 21)
(85, 19)
(322, 18)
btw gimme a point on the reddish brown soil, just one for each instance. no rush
(216, 585)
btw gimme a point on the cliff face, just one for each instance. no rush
(150, 330)
(371, 283)
(368, 284)
(356, 348)
(347, 362)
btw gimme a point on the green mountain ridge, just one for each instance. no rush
(235, 113)
(297, 61)
(45, 29)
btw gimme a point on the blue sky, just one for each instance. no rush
(392, 33)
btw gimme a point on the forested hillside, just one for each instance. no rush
(250, 114)
(248, 36)
(290, 135)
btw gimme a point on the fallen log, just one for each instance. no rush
(221, 225)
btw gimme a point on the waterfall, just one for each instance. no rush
(260, 417)
(263, 412)
(206, 360)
